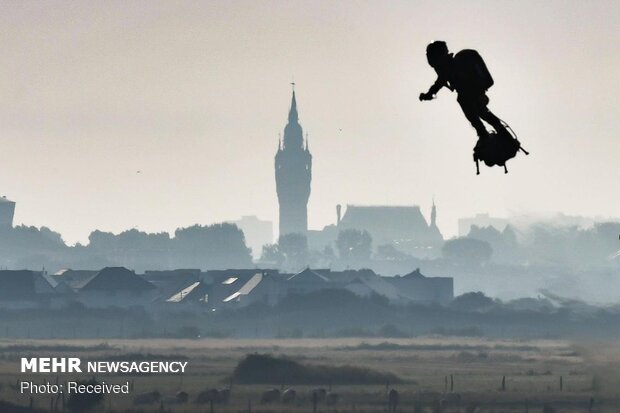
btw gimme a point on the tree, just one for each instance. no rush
(473, 301)
(100, 240)
(217, 246)
(390, 253)
(295, 249)
(30, 247)
(132, 248)
(467, 251)
(505, 247)
(272, 254)
(354, 246)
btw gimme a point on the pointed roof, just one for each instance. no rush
(17, 284)
(308, 275)
(197, 291)
(365, 284)
(386, 223)
(293, 116)
(414, 274)
(75, 279)
(117, 279)
(293, 138)
(247, 288)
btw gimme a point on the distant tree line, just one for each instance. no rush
(291, 252)
(222, 246)
(539, 245)
(548, 245)
(217, 246)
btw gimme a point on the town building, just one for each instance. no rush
(402, 226)
(116, 287)
(256, 232)
(7, 212)
(20, 289)
(293, 167)
(481, 221)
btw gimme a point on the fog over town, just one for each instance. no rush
(238, 206)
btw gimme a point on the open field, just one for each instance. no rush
(438, 374)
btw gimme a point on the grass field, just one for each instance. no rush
(439, 374)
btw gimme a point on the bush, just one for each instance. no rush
(267, 369)
(467, 251)
(391, 331)
(474, 301)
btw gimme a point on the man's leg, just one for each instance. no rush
(494, 121)
(489, 117)
(471, 109)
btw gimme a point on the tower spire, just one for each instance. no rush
(293, 133)
(292, 114)
(433, 214)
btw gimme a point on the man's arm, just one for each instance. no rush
(439, 83)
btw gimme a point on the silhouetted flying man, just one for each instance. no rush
(466, 73)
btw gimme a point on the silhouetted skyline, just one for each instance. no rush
(193, 95)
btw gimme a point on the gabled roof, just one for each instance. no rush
(76, 279)
(63, 288)
(396, 218)
(246, 288)
(388, 224)
(117, 279)
(171, 276)
(308, 276)
(25, 284)
(414, 274)
(171, 282)
(196, 291)
(44, 284)
(181, 295)
(375, 284)
(346, 276)
(242, 276)
(51, 280)
(17, 284)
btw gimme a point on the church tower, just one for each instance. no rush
(293, 175)
(434, 235)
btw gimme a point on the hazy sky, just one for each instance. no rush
(194, 95)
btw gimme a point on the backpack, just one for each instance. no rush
(471, 71)
(496, 149)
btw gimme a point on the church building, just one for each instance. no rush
(293, 175)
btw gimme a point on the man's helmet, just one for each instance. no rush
(436, 51)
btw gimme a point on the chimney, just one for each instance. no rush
(338, 210)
